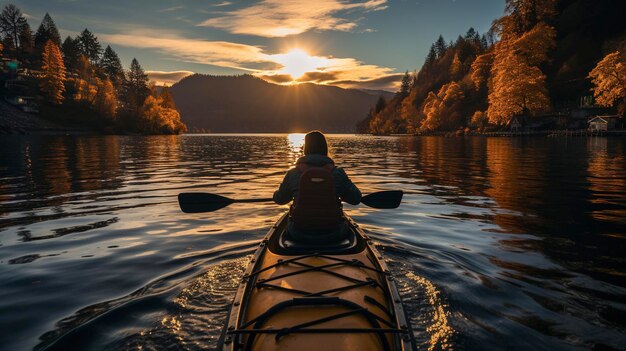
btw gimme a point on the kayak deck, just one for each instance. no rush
(339, 298)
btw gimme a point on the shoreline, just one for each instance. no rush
(14, 121)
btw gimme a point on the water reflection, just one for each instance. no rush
(499, 244)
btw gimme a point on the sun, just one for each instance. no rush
(297, 62)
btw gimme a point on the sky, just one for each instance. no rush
(364, 44)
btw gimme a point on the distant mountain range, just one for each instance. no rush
(249, 104)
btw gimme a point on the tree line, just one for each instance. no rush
(479, 82)
(77, 77)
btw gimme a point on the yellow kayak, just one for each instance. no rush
(305, 298)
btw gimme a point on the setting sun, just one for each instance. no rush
(297, 62)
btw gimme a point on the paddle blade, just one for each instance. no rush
(202, 202)
(383, 199)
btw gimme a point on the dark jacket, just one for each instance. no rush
(288, 189)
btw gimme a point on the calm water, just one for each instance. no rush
(500, 243)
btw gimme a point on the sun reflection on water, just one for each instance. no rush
(296, 144)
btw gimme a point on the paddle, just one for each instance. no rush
(205, 202)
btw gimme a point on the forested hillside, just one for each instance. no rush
(77, 82)
(542, 56)
(249, 104)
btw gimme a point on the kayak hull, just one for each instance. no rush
(317, 298)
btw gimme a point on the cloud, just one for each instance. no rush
(217, 53)
(173, 8)
(389, 82)
(223, 3)
(167, 78)
(280, 68)
(318, 77)
(279, 18)
(277, 78)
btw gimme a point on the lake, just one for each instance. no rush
(500, 243)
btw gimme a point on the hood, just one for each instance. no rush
(315, 160)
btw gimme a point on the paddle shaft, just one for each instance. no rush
(252, 200)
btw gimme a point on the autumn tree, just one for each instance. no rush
(609, 81)
(90, 46)
(155, 118)
(479, 72)
(85, 82)
(517, 88)
(53, 73)
(105, 100)
(47, 31)
(167, 99)
(112, 67)
(517, 84)
(442, 110)
(12, 22)
(456, 66)
(479, 120)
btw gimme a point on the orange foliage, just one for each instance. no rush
(442, 109)
(517, 88)
(158, 119)
(609, 80)
(480, 69)
(53, 68)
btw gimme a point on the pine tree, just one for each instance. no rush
(27, 45)
(53, 78)
(380, 104)
(136, 89)
(405, 86)
(484, 43)
(440, 46)
(71, 53)
(431, 57)
(112, 67)
(89, 46)
(471, 34)
(47, 31)
(12, 22)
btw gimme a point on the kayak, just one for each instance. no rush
(324, 297)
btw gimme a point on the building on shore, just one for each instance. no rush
(605, 123)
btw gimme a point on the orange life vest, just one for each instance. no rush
(316, 206)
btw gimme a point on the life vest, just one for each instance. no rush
(316, 206)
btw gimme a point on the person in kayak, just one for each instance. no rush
(317, 188)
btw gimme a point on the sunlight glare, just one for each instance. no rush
(297, 62)
(296, 141)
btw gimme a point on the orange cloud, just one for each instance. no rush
(167, 78)
(295, 66)
(279, 18)
(218, 53)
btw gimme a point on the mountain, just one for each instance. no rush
(384, 93)
(249, 104)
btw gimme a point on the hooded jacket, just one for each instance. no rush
(346, 190)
